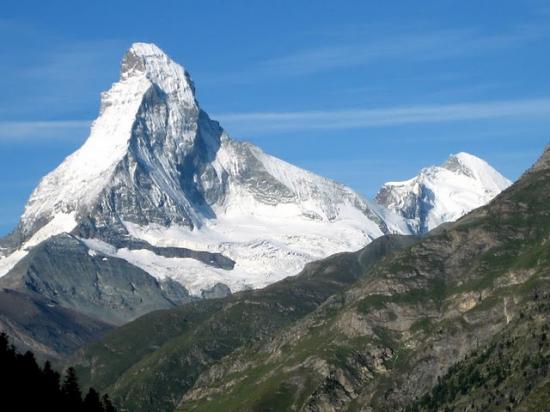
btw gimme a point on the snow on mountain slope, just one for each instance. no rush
(443, 193)
(156, 168)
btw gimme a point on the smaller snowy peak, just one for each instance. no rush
(443, 193)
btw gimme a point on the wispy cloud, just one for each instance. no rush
(266, 122)
(428, 45)
(60, 75)
(43, 130)
(259, 123)
(269, 122)
(362, 46)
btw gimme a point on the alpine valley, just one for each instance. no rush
(160, 207)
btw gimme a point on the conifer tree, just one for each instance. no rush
(92, 403)
(31, 388)
(107, 405)
(71, 391)
(51, 390)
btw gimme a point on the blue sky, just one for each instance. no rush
(360, 91)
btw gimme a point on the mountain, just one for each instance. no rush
(443, 193)
(152, 372)
(373, 330)
(511, 371)
(162, 187)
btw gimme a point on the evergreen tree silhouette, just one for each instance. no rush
(107, 405)
(51, 391)
(4, 343)
(28, 387)
(71, 391)
(92, 403)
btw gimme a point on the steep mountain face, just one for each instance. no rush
(443, 193)
(376, 334)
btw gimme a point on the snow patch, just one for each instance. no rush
(265, 250)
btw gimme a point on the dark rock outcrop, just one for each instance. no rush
(63, 270)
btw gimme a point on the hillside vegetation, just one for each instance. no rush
(375, 330)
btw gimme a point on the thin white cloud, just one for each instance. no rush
(265, 122)
(58, 74)
(43, 130)
(407, 45)
(364, 46)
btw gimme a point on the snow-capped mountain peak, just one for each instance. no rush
(443, 193)
(149, 118)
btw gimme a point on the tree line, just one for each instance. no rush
(28, 387)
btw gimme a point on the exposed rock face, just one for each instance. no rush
(511, 372)
(157, 172)
(63, 270)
